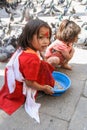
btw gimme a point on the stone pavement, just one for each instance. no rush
(65, 112)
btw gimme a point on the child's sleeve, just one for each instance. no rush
(31, 68)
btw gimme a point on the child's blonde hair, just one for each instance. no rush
(68, 31)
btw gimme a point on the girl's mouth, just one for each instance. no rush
(44, 47)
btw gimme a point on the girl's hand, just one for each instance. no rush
(48, 89)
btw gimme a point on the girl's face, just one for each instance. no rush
(41, 41)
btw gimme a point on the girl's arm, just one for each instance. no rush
(33, 84)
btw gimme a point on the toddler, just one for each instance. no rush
(61, 50)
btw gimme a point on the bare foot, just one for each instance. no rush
(66, 66)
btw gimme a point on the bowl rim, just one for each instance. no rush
(58, 90)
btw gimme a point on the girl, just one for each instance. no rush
(26, 73)
(61, 50)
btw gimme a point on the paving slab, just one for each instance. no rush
(79, 119)
(21, 121)
(63, 106)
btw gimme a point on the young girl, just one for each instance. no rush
(61, 50)
(26, 73)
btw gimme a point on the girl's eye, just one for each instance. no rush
(40, 37)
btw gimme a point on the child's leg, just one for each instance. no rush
(66, 66)
(53, 60)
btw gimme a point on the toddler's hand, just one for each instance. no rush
(48, 89)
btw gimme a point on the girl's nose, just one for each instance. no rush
(46, 41)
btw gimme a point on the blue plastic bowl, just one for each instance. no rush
(63, 80)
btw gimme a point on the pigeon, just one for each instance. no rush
(55, 9)
(22, 15)
(73, 11)
(7, 10)
(76, 16)
(65, 10)
(42, 11)
(86, 8)
(61, 1)
(11, 17)
(0, 42)
(85, 23)
(8, 29)
(85, 42)
(2, 33)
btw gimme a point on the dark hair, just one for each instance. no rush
(31, 28)
(68, 31)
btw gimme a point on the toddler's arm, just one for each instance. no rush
(68, 54)
(72, 52)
